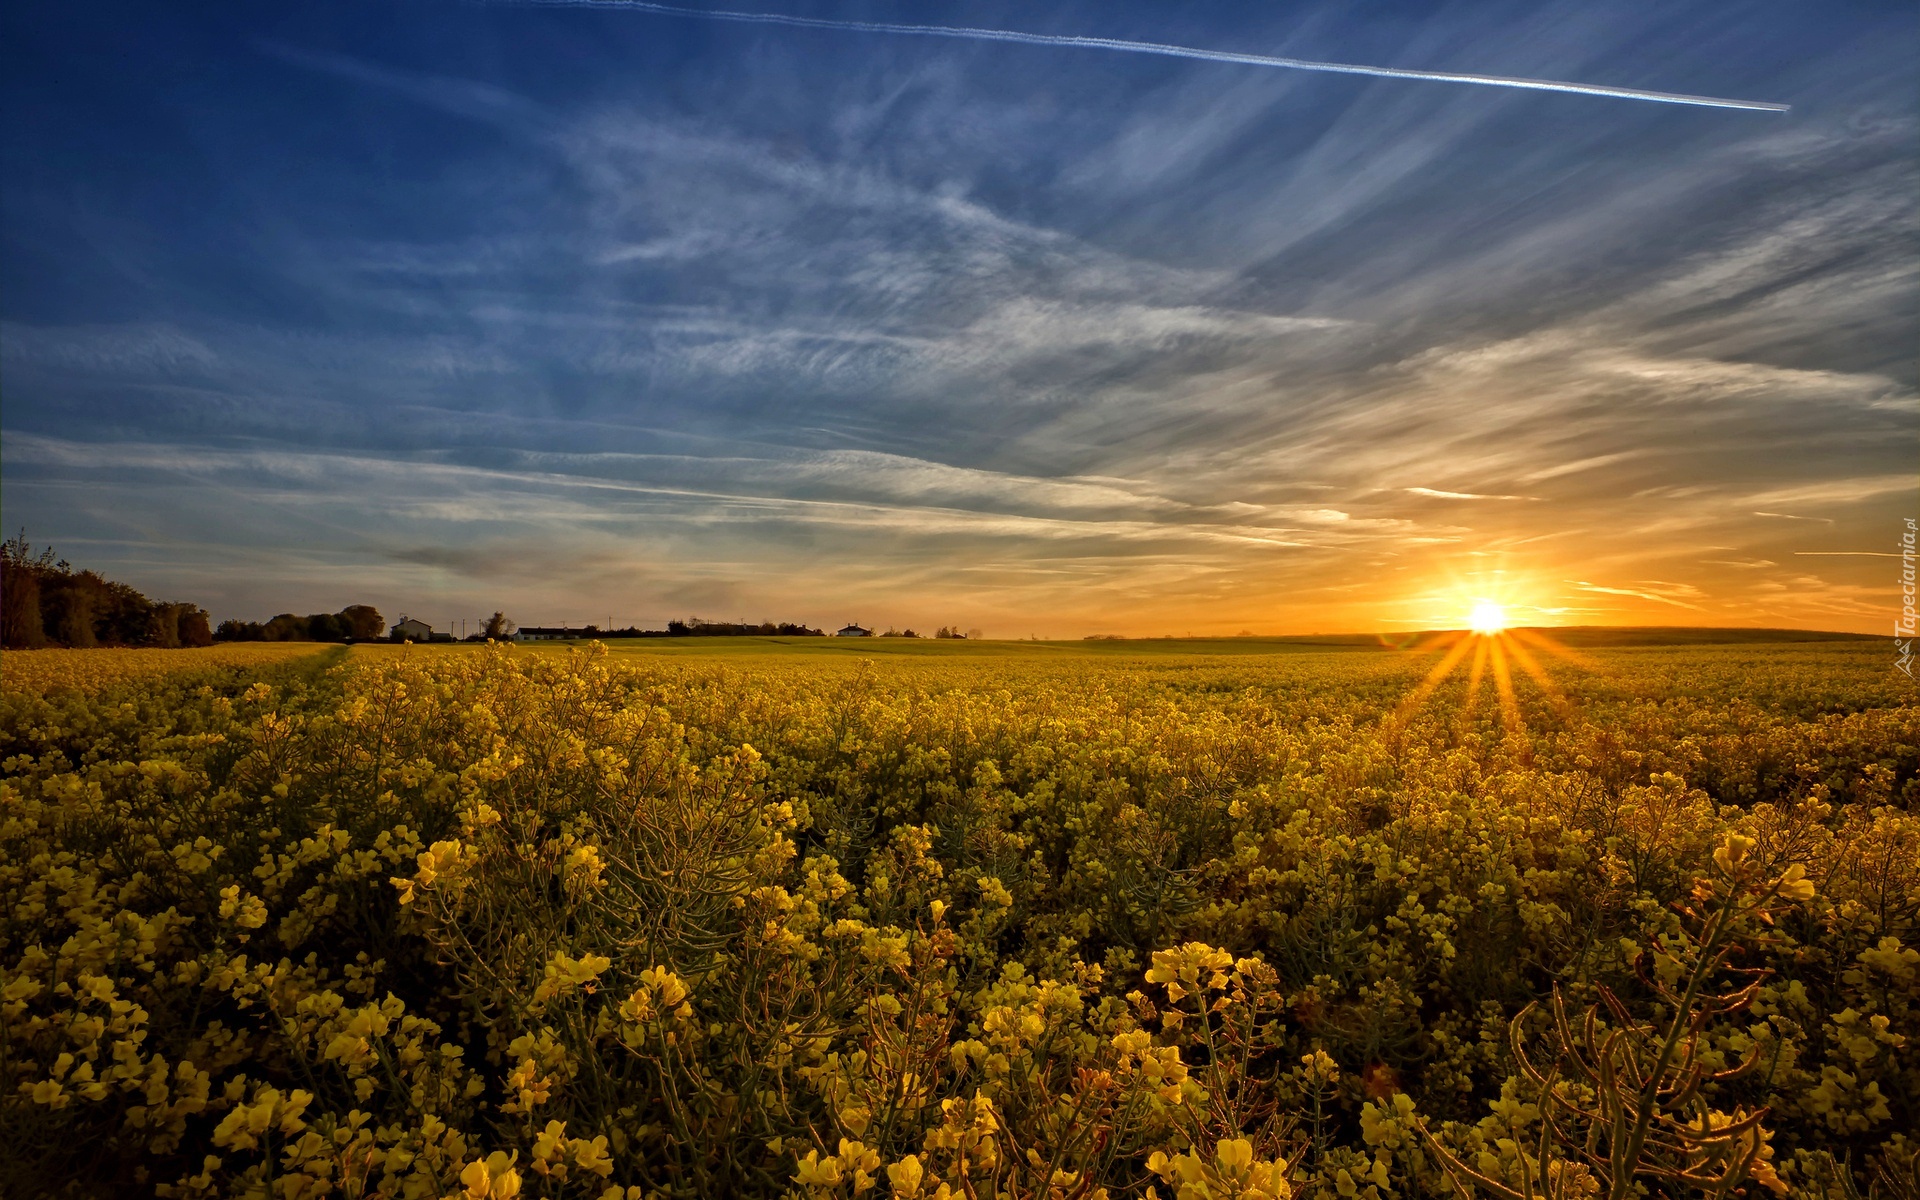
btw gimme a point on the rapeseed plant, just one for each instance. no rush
(498, 924)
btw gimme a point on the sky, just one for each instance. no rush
(591, 314)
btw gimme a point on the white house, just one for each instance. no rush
(408, 629)
(853, 631)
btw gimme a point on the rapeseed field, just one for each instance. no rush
(93, 670)
(1016, 921)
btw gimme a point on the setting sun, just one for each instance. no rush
(1488, 617)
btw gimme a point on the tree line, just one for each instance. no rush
(695, 627)
(45, 602)
(355, 622)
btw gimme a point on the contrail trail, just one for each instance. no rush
(1100, 43)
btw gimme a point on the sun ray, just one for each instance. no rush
(1497, 649)
(1542, 641)
(1414, 699)
(1503, 683)
(1531, 666)
(1474, 676)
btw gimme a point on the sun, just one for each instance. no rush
(1488, 618)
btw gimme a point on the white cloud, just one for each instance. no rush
(1837, 491)
(1438, 494)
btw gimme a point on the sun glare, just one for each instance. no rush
(1488, 618)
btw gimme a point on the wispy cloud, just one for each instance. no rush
(1680, 595)
(1840, 491)
(1440, 495)
(459, 96)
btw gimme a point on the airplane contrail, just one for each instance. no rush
(1161, 48)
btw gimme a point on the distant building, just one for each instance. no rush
(853, 631)
(406, 629)
(549, 633)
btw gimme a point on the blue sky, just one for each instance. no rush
(454, 307)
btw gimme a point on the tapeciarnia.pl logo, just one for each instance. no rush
(1903, 625)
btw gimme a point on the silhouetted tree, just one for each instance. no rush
(499, 628)
(362, 621)
(194, 627)
(163, 626)
(357, 622)
(44, 601)
(287, 627)
(72, 614)
(20, 575)
(697, 627)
